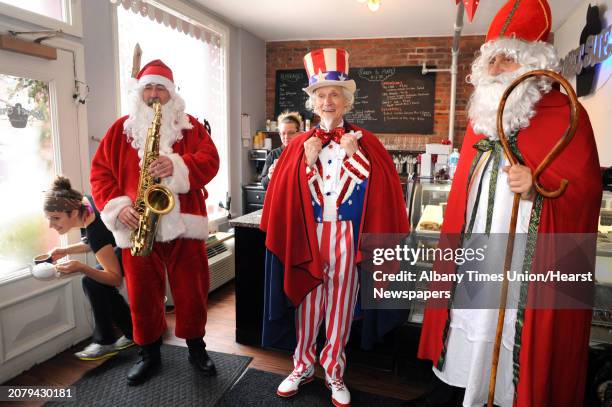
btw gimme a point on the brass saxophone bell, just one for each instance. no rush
(159, 199)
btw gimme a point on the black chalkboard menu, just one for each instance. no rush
(289, 94)
(388, 99)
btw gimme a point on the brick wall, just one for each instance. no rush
(391, 52)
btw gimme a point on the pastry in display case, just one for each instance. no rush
(427, 202)
(431, 219)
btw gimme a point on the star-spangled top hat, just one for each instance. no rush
(328, 67)
(156, 72)
(527, 20)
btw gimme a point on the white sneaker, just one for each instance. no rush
(95, 351)
(292, 383)
(123, 343)
(341, 397)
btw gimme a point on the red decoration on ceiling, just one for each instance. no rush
(470, 7)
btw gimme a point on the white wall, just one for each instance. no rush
(598, 104)
(99, 69)
(253, 86)
(247, 76)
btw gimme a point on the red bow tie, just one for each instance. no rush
(327, 136)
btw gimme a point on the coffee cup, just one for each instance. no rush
(43, 258)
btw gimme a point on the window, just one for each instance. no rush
(27, 167)
(196, 56)
(56, 9)
(62, 15)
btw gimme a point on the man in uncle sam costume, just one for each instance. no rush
(331, 184)
(188, 161)
(543, 357)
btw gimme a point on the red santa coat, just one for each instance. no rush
(288, 217)
(551, 352)
(115, 172)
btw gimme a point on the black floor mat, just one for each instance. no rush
(177, 384)
(258, 388)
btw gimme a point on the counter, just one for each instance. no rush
(250, 220)
(250, 277)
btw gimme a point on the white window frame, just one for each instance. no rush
(224, 32)
(78, 51)
(74, 28)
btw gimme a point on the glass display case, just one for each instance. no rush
(427, 204)
(601, 331)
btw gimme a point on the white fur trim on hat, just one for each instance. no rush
(178, 182)
(350, 85)
(110, 217)
(156, 79)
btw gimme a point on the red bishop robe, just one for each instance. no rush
(553, 348)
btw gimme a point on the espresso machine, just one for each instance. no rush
(257, 160)
(253, 192)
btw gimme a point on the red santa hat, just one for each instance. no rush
(156, 72)
(328, 67)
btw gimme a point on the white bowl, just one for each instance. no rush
(44, 271)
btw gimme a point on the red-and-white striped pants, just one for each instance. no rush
(333, 300)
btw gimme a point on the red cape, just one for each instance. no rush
(554, 343)
(288, 217)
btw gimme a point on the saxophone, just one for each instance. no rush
(154, 199)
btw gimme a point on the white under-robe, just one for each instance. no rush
(472, 331)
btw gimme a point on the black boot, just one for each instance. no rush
(440, 394)
(147, 366)
(199, 357)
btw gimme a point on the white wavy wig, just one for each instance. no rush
(488, 90)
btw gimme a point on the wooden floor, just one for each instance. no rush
(64, 369)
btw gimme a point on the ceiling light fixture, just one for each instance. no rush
(373, 5)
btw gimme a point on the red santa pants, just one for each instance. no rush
(333, 300)
(186, 264)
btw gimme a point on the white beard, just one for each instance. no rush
(173, 121)
(519, 108)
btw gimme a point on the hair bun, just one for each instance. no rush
(61, 183)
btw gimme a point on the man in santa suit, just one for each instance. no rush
(543, 355)
(188, 161)
(331, 185)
